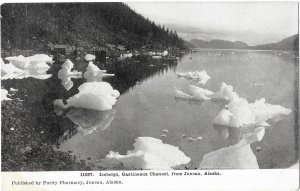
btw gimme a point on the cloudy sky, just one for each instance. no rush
(251, 22)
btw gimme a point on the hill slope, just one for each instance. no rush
(30, 25)
(290, 43)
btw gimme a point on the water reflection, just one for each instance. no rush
(238, 155)
(88, 121)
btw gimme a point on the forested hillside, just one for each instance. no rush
(29, 26)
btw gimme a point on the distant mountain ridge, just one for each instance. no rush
(290, 43)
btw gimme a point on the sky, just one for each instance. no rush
(250, 22)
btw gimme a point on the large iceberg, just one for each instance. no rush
(34, 62)
(150, 154)
(240, 112)
(94, 95)
(196, 93)
(200, 76)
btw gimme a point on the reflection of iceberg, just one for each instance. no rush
(34, 73)
(196, 92)
(148, 153)
(201, 76)
(238, 156)
(240, 112)
(94, 95)
(91, 120)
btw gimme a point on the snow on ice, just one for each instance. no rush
(150, 154)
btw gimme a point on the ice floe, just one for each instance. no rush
(89, 57)
(4, 94)
(240, 112)
(33, 62)
(149, 154)
(200, 76)
(94, 95)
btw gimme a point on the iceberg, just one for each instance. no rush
(165, 53)
(92, 71)
(4, 94)
(66, 70)
(89, 57)
(149, 154)
(200, 76)
(181, 94)
(94, 95)
(33, 62)
(240, 112)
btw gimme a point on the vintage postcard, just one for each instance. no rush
(150, 95)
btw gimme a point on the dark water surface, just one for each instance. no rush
(147, 106)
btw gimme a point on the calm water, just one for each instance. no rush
(147, 106)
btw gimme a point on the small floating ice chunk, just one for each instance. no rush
(183, 135)
(156, 57)
(149, 154)
(13, 90)
(191, 139)
(165, 53)
(163, 135)
(94, 95)
(199, 138)
(89, 57)
(202, 76)
(165, 131)
(4, 94)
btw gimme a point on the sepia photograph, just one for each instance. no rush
(139, 87)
